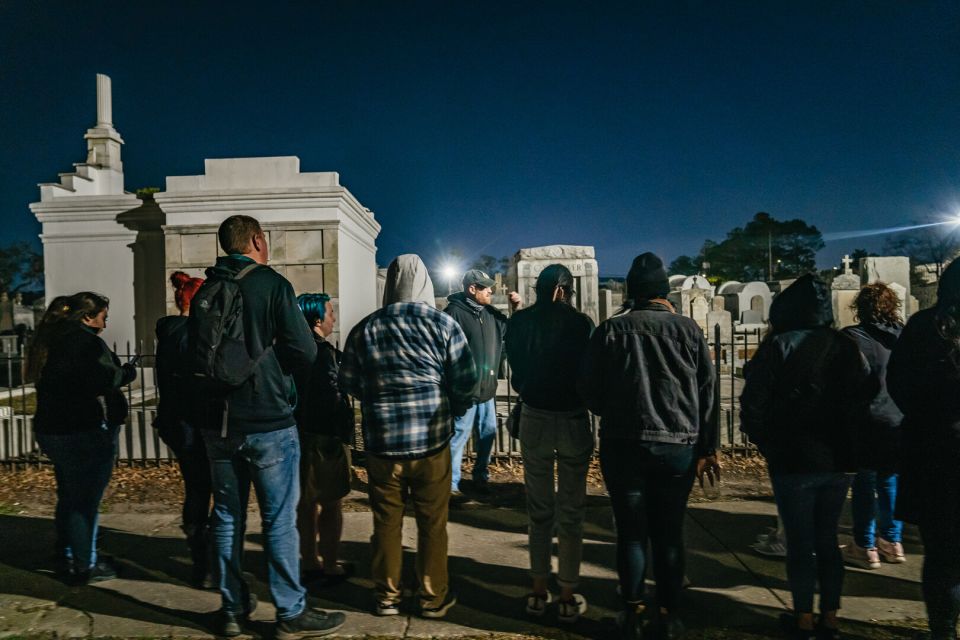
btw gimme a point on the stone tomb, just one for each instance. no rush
(320, 237)
(749, 303)
(98, 237)
(718, 315)
(693, 298)
(581, 260)
(890, 270)
(843, 290)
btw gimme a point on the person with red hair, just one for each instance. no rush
(176, 425)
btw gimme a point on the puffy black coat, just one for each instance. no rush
(804, 385)
(878, 426)
(485, 330)
(80, 385)
(647, 374)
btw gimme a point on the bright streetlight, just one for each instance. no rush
(449, 273)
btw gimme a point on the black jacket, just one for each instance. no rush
(270, 317)
(545, 345)
(485, 330)
(878, 426)
(322, 409)
(81, 384)
(923, 377)
(804, 386)
(647, 374)
(177, 402)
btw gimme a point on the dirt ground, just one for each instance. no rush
(23, 490)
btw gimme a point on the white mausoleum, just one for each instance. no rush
(98, 237)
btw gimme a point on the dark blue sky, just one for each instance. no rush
(489, 126)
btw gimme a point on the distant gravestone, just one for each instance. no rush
(901, 292)
(889, 270)
(699, 309)
(606, 304)
(843, 291)
(725, 320)
(6, 313)
(718, 304)
(751, 317)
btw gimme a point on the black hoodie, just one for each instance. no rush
(804, 386)
(270, 317)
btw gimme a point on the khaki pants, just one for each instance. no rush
(428, 483)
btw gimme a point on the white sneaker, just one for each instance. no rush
(537, 603)
(571, 610)
(891, 552)
(387, 608)
(860, 557)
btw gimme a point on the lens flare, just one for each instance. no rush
(862, 233)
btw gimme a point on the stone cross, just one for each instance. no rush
(846, 264)
(104, 101)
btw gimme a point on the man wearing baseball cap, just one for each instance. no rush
(485, 328)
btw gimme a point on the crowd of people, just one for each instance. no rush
(252, 392)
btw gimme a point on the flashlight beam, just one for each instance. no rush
(845, 235)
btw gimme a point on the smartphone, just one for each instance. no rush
(135, 360)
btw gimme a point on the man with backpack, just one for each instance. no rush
(246, 337)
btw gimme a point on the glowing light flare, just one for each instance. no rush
(449, 272)
(862, 233)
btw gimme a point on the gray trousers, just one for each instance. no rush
(564, 438)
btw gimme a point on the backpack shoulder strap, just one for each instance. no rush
(246, 270)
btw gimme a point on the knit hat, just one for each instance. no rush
(647, 278)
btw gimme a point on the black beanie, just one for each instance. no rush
(647, 278)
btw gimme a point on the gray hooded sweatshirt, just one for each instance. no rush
(410, 366)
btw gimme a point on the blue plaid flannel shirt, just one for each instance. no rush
(410, 366)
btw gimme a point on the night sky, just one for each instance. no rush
(489, 126)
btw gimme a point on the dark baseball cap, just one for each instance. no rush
(477, 277)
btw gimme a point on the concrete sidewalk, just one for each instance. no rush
(731, 587)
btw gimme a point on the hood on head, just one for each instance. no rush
(948, 291)
(805, 304)
(408, 281)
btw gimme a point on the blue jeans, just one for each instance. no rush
(271, 461)
(810, 506)
(82, 464)
(874, 498)
(484, 416)
(649, 483)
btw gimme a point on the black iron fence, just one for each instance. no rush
(141, 444)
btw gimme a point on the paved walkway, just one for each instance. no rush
(731, 587)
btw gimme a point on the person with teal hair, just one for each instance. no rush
(325, 420)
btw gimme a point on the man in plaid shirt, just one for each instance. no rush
(410, 366)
